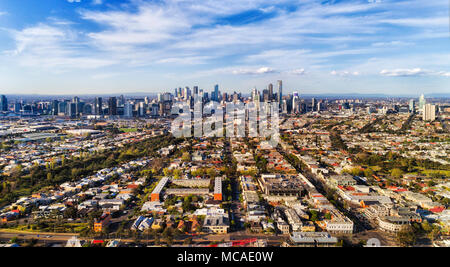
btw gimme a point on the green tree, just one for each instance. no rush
(396, 173)
(407, 237)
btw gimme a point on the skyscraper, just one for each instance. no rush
(270, 91)
(422, 102)
(429, 112)
(55, 105)
(3, 103)
(128, 109)
(77, 109)
(112, 106)
(280, 92)
(412, 106)
(216, 93)
(98, 106)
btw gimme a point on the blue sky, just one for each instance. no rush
(112, 46)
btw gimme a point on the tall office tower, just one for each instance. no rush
(429, 112)
(270, 92)
(216, 93)
(142, 109)
(98, 106)
(17, 107)
(422, 102)
(266, 95)
(128, 109)
(295, 103)
(280, 92)
(167, 97)
(187, 93)
(112, 106)
(160, 97)
(257, 97)
(195, 90)
(254, 92)
(236, 97)
(320, 105)
(412, 106)
(284, 106)
(121, 101)
(55, 105)
(71, 110)
(225, 97)
(3, 103)
(62, 107)
(76, 101)
(87, 109)
(313, 104)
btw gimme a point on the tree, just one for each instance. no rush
(314, 215)
(368, 173)
(70, 212)
(434, 233)
(166, 172)
(186, 157)
(406, 237)
(396, 173)
(176, 174)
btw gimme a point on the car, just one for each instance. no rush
(49, 236)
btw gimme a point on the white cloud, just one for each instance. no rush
(53, 46)
(413, 72)
(297, 71)
(404, 72)
(344, 73)
(178, 33)
(392, 44)
(262, 70)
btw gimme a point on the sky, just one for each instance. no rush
(392, 47)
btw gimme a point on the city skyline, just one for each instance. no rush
(101, 47)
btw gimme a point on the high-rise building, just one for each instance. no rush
(429, 112)
(3, 103)
(55, 105)
(142, 108)
(216, 93)
(121, 101)
(98, 106)
(266, 96)
(195, 90)
(280, 92)
(422, 102)
(128, 110)
(62, 108)
(313, 104)
(112, 106)
(295, 103)
(270, 92)
(71, 110)
(17, 107)
(412, 106)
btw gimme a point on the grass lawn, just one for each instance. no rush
(128, 130)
